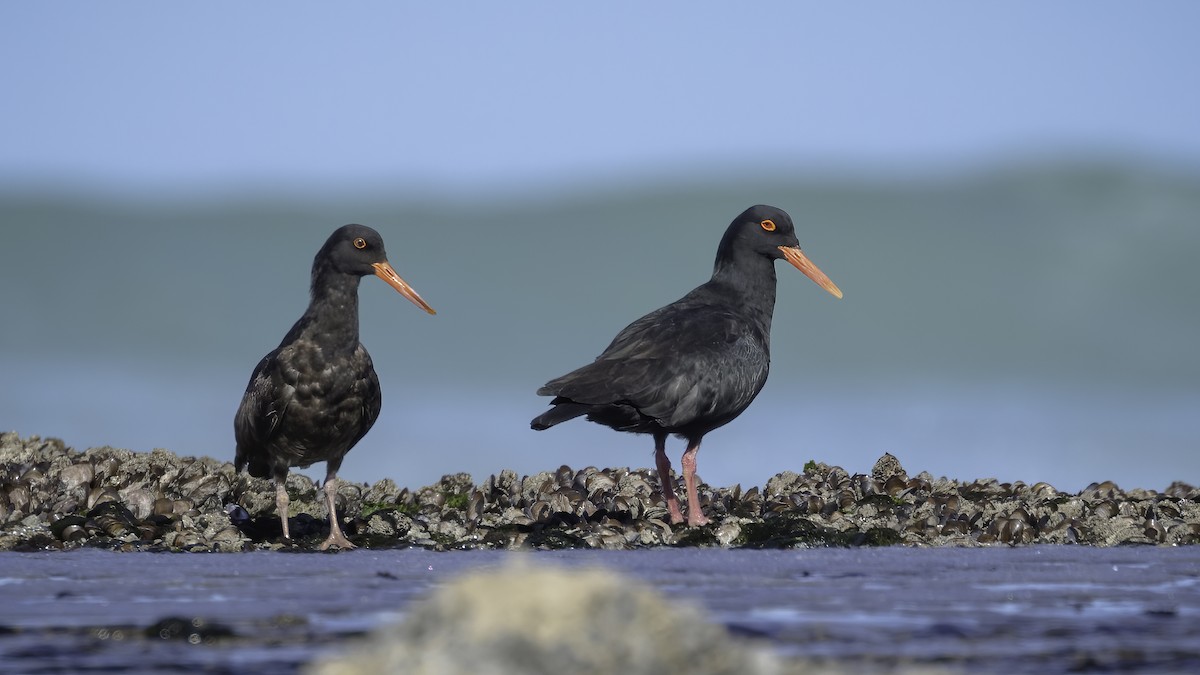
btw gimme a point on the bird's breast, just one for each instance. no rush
(332, 398)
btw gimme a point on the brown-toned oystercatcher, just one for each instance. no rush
(316, 395)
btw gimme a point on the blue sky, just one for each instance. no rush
(138, 96)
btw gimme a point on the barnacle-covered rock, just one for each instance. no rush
(53, 496)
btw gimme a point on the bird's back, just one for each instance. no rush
(687, 368)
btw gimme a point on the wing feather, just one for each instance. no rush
(259, 415)
(678, 364)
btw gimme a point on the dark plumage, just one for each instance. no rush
(697, 363)
(316, 395)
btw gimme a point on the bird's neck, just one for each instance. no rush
(749, 279)
(333, 308)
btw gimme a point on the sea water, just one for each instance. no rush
(1034, 609)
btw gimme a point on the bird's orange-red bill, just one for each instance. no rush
(801, 262)
(384, 271)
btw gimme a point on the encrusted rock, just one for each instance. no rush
(53, 496)
(886, 467)
(548, 620)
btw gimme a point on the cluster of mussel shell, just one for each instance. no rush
(823, 506)
(54, 497)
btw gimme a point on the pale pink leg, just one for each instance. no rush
(336, 538)
(664, 477)
(696, 517)
(281, 503)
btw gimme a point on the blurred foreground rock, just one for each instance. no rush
(545, 620)
(54, 497)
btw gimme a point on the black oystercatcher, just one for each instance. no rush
(316, 395)
(696, 364)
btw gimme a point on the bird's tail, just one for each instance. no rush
(252, 462)
(561, 412)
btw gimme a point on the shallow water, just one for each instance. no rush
(1036, 609)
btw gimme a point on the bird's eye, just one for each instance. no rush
(768, 225)
(362, 243)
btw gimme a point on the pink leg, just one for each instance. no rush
(281, 503)
(664, 477)
(696, 517)
(336, 538)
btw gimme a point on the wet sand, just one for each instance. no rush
(1033, 609)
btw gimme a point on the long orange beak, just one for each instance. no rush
(802, 263)
(384, 271)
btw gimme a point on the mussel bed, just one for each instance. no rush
(55, 497)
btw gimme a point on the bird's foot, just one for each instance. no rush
(336, 539)
(696, 518)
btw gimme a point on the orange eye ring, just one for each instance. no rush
(360, 243)
(768, 225)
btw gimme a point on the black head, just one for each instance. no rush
(358, 250)
(760, 229)
(768, 231)
(353, 249)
